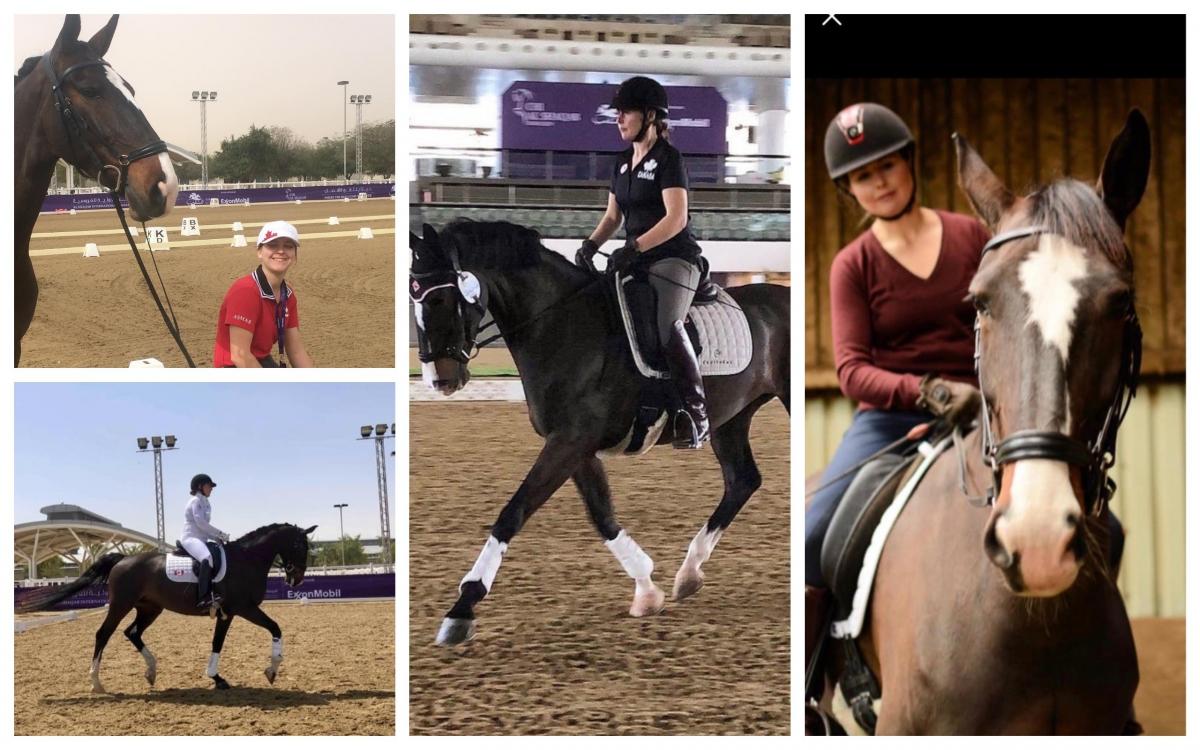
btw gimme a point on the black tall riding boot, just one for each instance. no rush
(204, 586)
(691, 423)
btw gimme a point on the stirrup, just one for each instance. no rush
(693, 442)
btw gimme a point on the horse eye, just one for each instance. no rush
(980, 302)
(91, 93)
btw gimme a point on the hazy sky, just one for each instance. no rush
(281, 452)
(267, 70)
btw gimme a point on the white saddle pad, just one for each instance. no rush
(179, 568)
(725, 340)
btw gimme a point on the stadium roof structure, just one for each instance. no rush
(74, 533)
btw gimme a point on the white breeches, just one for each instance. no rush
(197, 548)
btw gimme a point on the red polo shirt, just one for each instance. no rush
(250, 304)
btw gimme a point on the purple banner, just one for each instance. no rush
(314, 588)
(543, 115)
(62, 203)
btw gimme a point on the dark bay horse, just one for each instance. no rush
(140, 582)
(581, 388)
(1006, 619)
(70, 104)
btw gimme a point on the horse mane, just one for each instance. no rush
(498, 245)
(250, 538)
(1073, 209)
(27, 67)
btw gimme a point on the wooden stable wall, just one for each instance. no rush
(1029, 131)
(1150, 490)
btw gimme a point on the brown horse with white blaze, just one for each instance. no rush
(1007, 619)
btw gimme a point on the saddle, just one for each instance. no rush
(181, 567)
(716, 326)
(850, 556)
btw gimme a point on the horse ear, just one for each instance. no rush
(414, 242)
(69, 32)
(987, 194)
(1126, 168)
(429, 233)
(102, 38)
(310, 529)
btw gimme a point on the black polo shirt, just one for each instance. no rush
(638, 189)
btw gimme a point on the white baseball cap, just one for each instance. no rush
(275, 229)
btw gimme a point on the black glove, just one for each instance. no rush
(621, 260)
(957, 403)
(584, 255)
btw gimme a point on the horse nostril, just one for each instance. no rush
(1073, 520)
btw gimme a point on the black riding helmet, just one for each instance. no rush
(860, 134)
(642, 94)
(200, 480)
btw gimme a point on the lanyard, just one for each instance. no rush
(281, 317)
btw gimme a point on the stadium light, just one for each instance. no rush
(154, 444)
(385, 533)
(343, 84)
(203, 98)
(358, 100)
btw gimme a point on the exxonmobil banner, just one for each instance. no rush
(314, 588)
(555, 116)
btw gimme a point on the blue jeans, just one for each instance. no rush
(870, 431)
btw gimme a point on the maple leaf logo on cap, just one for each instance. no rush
(269, 236)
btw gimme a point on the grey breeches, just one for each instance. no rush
(674, 281)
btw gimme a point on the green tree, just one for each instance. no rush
(331, 552)
(253, 156)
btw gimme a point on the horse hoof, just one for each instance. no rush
(220, 683)
(270, 673)
(98, 688)
(687, 582)
(455, 630)
(151, 677)
(649, 602)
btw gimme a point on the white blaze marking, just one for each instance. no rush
(1042, 498)
(119, 83)
(1047, 278)
(170, 187)
(487, 565)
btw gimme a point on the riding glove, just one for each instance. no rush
(622, 259)
(956, 403)
(584, 255)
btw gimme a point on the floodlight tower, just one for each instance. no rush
(203, 98)
(358, 100)
(380, 433)
(155, 445)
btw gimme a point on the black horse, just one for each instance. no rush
(581, 387)
(140, 582)
(70, 104)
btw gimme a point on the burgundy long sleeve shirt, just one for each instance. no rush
(891, 327)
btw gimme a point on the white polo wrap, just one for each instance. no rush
(632, 558)
(487, 565)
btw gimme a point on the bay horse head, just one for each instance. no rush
(448, 304)
(90, 119)
(291, 544)
(1057, 351)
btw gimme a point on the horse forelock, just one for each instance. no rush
(1074, 210)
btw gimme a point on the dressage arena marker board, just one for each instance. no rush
(167, 245)
(333, 221)
(237, 226)
(239, 240)
(364, 233)
(91, 251)
(190, 227)
(156, 237)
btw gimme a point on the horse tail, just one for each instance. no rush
(41, 599)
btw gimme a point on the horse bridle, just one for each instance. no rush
(77, 127)
(1095, 458)
(453, 277)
